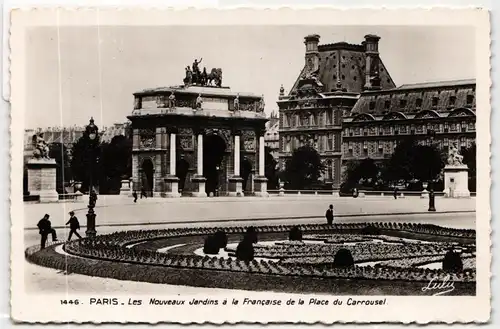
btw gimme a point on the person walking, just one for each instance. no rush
(329, 215)
(134, 194)
(74, 225)
(395, 192)
(143, 193)
(45, 228)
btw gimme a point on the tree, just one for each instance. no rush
(399, 166)
(304, 168)
(116, 163)
(469, 159)
(270, 169)
(427, 163)
(85, 161)
(59, 152)
(411, 161)
(365, 170)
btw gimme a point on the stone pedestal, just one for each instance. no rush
(171, 187)
(282, 189)
(235, 186)
(456, 180)
(125, 189)
(261, 186)
(42, 179)
(200, 181)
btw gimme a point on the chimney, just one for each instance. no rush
(282, 92)
(312, 53)
(372, 73)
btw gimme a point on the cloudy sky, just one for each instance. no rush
(78, 72)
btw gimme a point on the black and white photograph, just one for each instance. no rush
(173, 169)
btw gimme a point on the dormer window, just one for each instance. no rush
(372, 106)
(402, 103)
(419, 102)
(387, 104)
(470, 99)
(452, 101)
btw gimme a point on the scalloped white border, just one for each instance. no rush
(399, 309)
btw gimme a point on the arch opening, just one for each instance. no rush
(245, 172)
(147, 176)
(214, 150)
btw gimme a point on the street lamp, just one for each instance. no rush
(91, 134)
(432, 207)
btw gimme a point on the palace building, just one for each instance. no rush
(346, 105)
(198, 140)
(271, 138)
(442, 113)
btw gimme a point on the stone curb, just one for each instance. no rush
(265, 218)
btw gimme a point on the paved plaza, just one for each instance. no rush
(122, 211)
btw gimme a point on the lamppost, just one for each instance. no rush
(92, 136)
(431, 133)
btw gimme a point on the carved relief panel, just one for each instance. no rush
(186, 139)
(248, 139)
(147, 138)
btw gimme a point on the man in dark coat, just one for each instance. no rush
(134, 194)
(45, 228)
(329, 215)
(395, 192)
(74, 225)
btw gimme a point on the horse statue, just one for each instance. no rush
(454, 157)
(215, 77)
(41, 147)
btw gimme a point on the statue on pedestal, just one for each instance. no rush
(171, 101)
(236, 103)
(454, 157)
(199, 102)
(41, 147)
(262, 105)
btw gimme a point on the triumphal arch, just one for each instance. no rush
(198, 139)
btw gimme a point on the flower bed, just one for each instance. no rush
(298, 259)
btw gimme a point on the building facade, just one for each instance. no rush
(346, 105)
(198, 140)
(327, 89)
(271, 138)
(441, 113)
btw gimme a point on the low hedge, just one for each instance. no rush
(111, 250)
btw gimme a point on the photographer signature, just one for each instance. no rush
(441, 287)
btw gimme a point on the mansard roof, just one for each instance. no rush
(441, 96)
(345, 62)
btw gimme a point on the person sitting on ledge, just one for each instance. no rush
(45, 228)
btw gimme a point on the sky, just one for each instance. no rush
(79, 72)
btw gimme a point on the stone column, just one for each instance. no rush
(171, 181)
(198, 179)
(261, 156)
(261, 180)
(158, 179)
(135, 174)
(235, 181)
